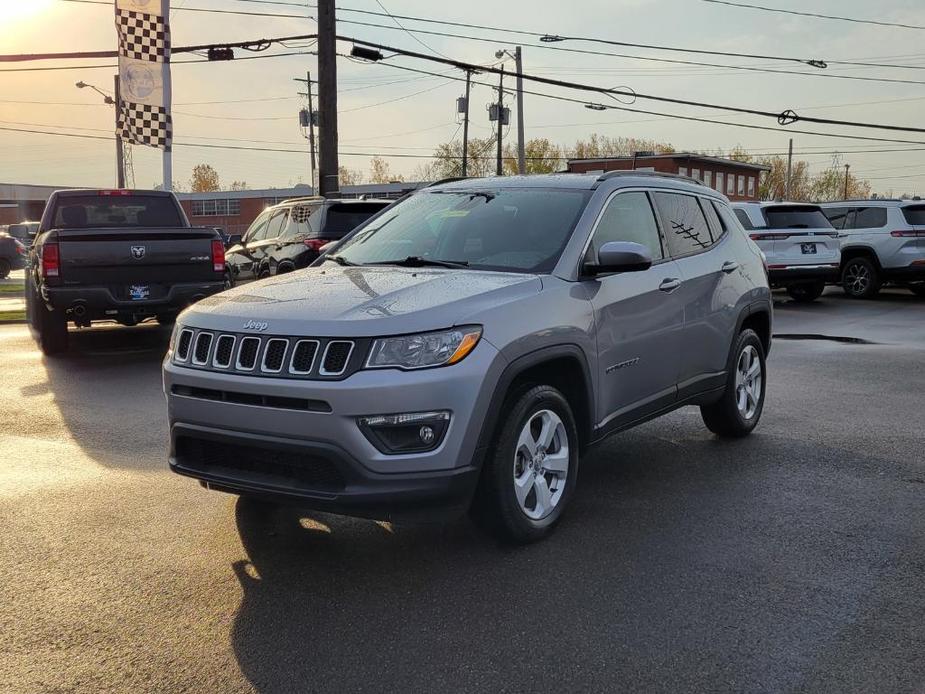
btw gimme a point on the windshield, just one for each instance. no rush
(512, 229)
(99, 211)
(796, 217)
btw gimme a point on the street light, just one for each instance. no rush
(111, 101)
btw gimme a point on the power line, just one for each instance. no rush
(815, 15)
(206, 9)
(410, 33)
(786, 117)
(553, 38)
(173, 62)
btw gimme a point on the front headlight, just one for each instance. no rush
(424, 350)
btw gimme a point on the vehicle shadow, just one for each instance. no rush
(106, 395)
(666, 569)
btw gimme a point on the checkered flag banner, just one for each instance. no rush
(143, 27)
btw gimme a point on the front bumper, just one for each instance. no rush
(321, 459)
(782, 276)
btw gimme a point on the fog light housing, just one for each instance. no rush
(415, 432)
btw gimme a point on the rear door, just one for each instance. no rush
(638, 317)
(708, 295)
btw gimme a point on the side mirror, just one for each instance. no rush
(620, 256)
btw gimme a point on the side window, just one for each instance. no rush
(628, 217)
(683, 222)
(730, 184)
(743, 219)
(720, 181)
(716, 226)
(869, 218)
(275, 226)
(708, 179)
(259, 225)
(837, 216)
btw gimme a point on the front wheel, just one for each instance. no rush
(860, 278)
(531, 470)
(805, 293)
(739, 408)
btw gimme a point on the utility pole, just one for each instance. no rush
(327, 96)
(120, 163)
(847, 166)
(500, 118)
(310, 122)
(789, 170)
(465, 152)
(521, 151)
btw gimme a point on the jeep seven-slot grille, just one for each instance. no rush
(269, 355)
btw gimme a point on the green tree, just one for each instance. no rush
(204, 179)
(830, 185)
(447, 160)
(597, 146)
(542, 156)
(380, 172)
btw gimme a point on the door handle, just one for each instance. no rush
(669, 285)
(730, 266)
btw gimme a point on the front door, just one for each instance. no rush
(638, 319)
(240, 257)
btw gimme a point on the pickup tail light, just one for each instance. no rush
(218, 256)
(316, 244)
(907, 234)
(51, 260)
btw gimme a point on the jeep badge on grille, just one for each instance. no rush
(254, 325)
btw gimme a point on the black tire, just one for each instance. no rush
(229, 281)
(860, 278)
(4, 268)
(805, 293)
(52, 330)
(725, 418)
(918, 288)
(496, 505)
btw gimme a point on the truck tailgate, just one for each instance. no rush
(124, 257)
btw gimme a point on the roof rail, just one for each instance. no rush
(655, 174)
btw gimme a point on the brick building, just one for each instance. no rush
(736, 179)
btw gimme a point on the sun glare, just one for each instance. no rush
(13, 11)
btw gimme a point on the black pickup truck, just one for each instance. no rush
(122, 255)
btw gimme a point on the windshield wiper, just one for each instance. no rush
(418, 261)
(339, 260)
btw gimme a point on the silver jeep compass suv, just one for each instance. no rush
(465, 346)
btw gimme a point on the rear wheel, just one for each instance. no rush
(804, 293)
(860, 278)
(4, 268)
(531, 470)
(52, 330)
(739, 409)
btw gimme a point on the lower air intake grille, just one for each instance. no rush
(251, 463)
(336, 357)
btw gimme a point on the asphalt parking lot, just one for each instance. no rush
(791, 561)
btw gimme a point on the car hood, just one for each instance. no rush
(331, 300)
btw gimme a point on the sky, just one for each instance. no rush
(388, 112)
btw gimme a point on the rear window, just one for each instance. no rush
(793, 217)
(837, 216)
(103, 211)
(915, 215)
(343, 218)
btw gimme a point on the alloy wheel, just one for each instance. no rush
(749, 382)
(541, 463)
(857, 278)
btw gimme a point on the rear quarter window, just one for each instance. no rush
(915, 215)
(837, 216)
(742, 216)
(868, 218)
(683, 223)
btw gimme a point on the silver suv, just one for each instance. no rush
(799, 243)
(462, 349)
(881, 241)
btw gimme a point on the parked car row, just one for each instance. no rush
(858, 244)
(12, 254)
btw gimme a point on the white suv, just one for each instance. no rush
(881, 241)
(801, 246)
